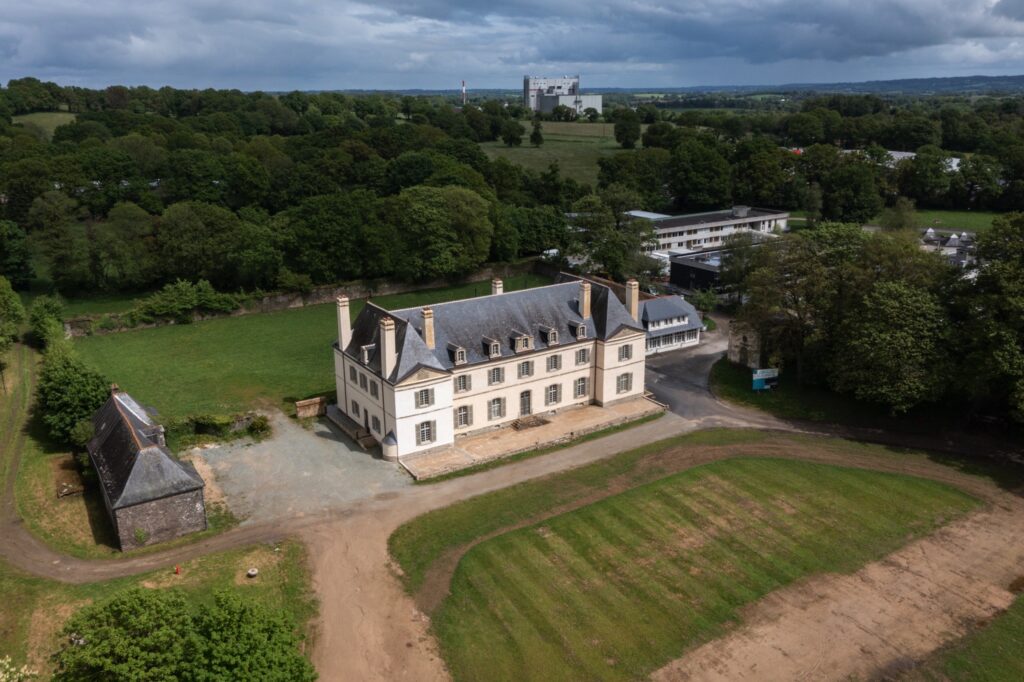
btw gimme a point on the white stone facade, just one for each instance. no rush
(413, 407)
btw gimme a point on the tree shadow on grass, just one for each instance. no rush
(100, 527)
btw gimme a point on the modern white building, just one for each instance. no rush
(419, 378)
(699, 231)
(542, 94)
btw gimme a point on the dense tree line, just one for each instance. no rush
(873, 316)
(249, 190)
(829, 158)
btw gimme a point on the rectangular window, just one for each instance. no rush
(691, 335)
(625, 353)
(352, 374)
(581, 331)
(496, 375)
(522, 343)
(362, 381)
(424, 397)
(583, 356)
(624, 383)
(462, 383)
(495, 350)
(373, 389)
(376, 424)
(460, 356)
(463, 416)
(552, 394)
(496, 408)
(424, 433)
(554, 363)
(552, 337)
(526, 369)
(355, 409)
(580, 387)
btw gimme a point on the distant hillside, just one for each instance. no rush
(910, 86)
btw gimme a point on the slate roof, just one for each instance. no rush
(725, 216)
(466, 323)
(666, 307)
(131, 461)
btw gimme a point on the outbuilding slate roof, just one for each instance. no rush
(667, 307)
(132, 463)
(466, 323)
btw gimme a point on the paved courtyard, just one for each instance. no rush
(297, 472)
(561, 427)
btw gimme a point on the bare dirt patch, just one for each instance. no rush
(47, 620)
(67, 477)
(890, 612)
(261, 558)
(212, 493)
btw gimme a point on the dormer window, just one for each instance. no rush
(458, 354)
(367, 352)
(550, 335)
(493, 348)
(581, 330)
(521, 342)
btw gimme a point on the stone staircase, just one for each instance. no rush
(355, 431)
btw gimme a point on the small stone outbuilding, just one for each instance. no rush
(150, 496)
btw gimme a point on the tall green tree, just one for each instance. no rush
(627, 128)
(12, 314)
(894, 353)
(699, 176)
(15, 258)
(69, 391)
(536, 135)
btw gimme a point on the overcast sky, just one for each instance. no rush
(337, 44)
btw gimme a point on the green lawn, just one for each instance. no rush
(618, 588)
(575, 146)
(35, 609)
(971, 221)
(46, 120)
(230, 364)
(992, 654)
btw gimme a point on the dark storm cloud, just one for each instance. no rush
(281, 44)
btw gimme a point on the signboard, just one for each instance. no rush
(765, 379)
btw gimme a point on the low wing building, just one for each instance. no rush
(671, 323)
(417, 379)
(149, 495)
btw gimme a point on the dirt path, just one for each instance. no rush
(880, 619)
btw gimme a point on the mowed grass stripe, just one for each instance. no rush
(620, 587)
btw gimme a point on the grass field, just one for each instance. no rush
(575, 146)
(971, 221)
(231, 364)
(35, 609)
(47, 121)
(616, 589)
(992, 654)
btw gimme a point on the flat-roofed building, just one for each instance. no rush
(700, 231)
(542, 94)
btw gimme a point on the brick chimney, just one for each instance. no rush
(633, 299)
(497, 287)
(584, 299)
(428, 327)
(388, 356)
(344, 323)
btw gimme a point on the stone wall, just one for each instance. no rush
(160, 520)
(313, 407)
(84, 326)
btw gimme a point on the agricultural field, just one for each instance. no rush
(35, 609)
(576, 147)
(231, 364)
(626, 582)
(47, 121)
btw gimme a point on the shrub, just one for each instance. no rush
(45, 318)
(82, 433)
(259, 427)
(182, 300)
(298, 283)
(140, 536)
(69, 391)
(210, 424)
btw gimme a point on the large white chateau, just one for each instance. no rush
(417, 379)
